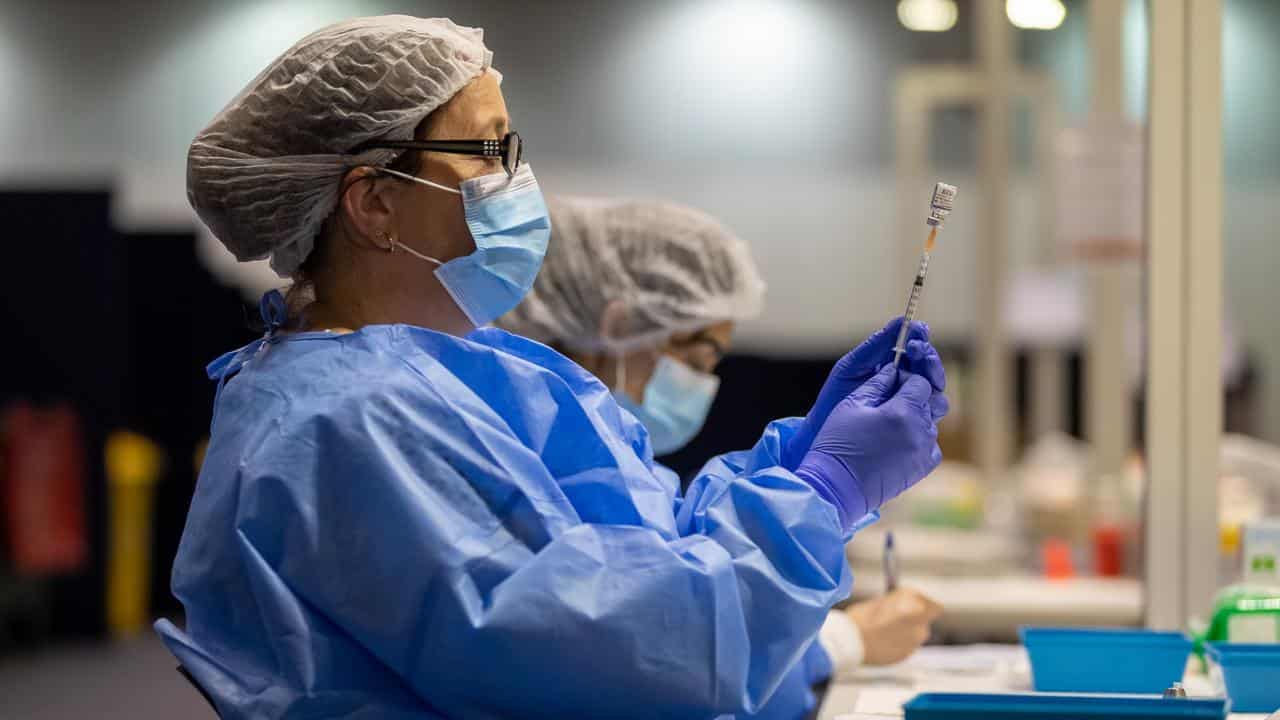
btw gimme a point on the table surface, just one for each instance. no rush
(947, 669)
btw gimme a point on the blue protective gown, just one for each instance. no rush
(399, 523)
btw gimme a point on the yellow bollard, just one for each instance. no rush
(133, 468)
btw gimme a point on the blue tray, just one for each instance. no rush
(1251, 673)
(1104, 660)
(952, 706)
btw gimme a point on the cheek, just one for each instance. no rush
(705, 361)
(436, 223)
(702, 359)
(639, 371)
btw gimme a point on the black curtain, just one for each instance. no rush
(180, 318)
(120, 326)
(62, 312)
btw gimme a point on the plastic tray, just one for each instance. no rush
(949, 706)
(1251, 673)
(1078, 660)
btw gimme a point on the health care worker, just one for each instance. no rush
(645, 295)
(401, 515)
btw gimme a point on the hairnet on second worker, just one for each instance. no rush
(671, 268)
(266, 172)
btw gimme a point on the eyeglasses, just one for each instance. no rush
(509, 148)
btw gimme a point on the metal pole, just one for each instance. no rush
(993, 376)
(1184, 241)
(1203, 250)
(1166, 169)
(1108, 414)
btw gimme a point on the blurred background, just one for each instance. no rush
(814, 128)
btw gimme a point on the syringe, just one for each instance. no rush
(944, 200)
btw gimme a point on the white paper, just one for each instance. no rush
(882, 702)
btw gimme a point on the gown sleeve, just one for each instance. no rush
(440, 543)
(794, 699)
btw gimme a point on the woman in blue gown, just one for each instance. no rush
(403, 513)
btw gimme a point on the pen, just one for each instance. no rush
(890, 564)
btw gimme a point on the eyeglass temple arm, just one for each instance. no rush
(458, 147)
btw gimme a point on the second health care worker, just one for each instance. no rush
(404, 514)
(645, 294)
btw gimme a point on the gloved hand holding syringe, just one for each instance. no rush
(944, 200)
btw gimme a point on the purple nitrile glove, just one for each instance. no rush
(875, 444)
(921, 359)
(858, 366)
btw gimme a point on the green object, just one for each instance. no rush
(1246, 614)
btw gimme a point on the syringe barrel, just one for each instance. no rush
(913, 301)
(900, 346)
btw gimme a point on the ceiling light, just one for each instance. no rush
(928, 15)
(1035, 14)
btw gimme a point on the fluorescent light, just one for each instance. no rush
(1035, 14)
(927, 15)
(753, 31)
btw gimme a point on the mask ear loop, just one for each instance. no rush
(612, 320)
(620, 373)
(391, 239)
(420, 181)
(393, 244)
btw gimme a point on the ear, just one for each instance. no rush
(367, 202)
(614, 321)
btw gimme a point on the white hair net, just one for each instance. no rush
(265, 173)
(671, 268)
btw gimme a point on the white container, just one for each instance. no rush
(1262, 553)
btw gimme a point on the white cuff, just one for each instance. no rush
(842, 640)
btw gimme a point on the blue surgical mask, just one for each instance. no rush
(511, 228)
(675, 405)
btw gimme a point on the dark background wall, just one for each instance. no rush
(119, 326)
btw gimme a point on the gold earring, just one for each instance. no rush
(391, 241)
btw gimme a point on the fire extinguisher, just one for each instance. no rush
(44, 489)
